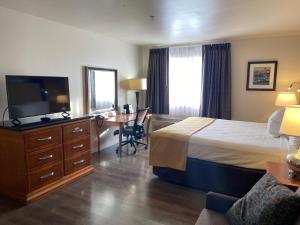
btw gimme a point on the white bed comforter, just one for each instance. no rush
(237, 143)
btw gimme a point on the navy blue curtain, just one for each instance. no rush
(158, 81)
(216, 96)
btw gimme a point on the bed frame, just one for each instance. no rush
(210, 176)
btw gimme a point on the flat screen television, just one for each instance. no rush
(36, 95)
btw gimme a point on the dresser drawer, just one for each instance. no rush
(76, 147)
(76, 130)
(45, 176)
(45, 157)
(76, 163)
(43, 138)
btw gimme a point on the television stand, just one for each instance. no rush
(43, 122)
(19, 126)
(40, 158)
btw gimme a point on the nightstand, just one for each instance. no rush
(281, 172)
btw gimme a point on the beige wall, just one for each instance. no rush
(35, 46)
(257, 105)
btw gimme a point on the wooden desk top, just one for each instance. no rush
(281, 172)
(123, 118)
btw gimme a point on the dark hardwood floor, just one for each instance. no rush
(121, 191)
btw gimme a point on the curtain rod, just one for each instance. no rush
(190, 44)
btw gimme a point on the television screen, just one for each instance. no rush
(36, 95)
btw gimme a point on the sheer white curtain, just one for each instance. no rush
(185, 72)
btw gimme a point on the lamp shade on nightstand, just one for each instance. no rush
(291, 126)
(291, 121)
(286, 99)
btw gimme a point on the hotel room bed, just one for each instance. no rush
(227, 156)
(237, 143)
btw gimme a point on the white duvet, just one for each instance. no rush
(237, 143)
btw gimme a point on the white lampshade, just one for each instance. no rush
(286, 99)
(136, 84)
(291, 121)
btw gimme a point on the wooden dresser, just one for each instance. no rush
(38, 160)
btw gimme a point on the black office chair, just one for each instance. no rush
(136, 132)
(99, 124)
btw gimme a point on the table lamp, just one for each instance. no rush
(298, 90)
(292, 84)
(286, 99)
(136, 85)
(291, 126)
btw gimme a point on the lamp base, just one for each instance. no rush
(137, 95)
(294, 175)
(293, 161)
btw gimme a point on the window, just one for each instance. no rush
(185, 72)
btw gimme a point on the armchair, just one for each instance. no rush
(216, 207)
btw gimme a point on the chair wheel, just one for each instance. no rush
(117, 151)
(146, 147)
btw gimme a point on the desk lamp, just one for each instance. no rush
(136, 85)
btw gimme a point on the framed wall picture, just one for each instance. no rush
(261, 76)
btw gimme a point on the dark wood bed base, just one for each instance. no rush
(210, 176)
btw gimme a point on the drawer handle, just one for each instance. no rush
(78, 162)
(78, 146)
(77, 130)
(44, 139)
(46, 157)
(47, 175)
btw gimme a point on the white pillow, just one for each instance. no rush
(274, 122)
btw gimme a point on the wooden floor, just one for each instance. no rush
(121, 191)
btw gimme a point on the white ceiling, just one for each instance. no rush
(175, 21)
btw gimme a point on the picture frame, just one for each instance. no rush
(261, 76)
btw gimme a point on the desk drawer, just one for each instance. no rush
(75, 130)
(44, 157)
(77, 163)
(45, 176)
(76, 147)
(43, 138)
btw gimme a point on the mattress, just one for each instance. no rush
(237, 143)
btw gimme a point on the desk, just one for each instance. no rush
(120, 121)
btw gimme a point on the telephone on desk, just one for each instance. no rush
(127, 109)
(106, 114)
(111, 113)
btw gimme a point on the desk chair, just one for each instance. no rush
(99, 124)
(136, 132)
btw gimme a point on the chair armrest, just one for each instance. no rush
(219, 202)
